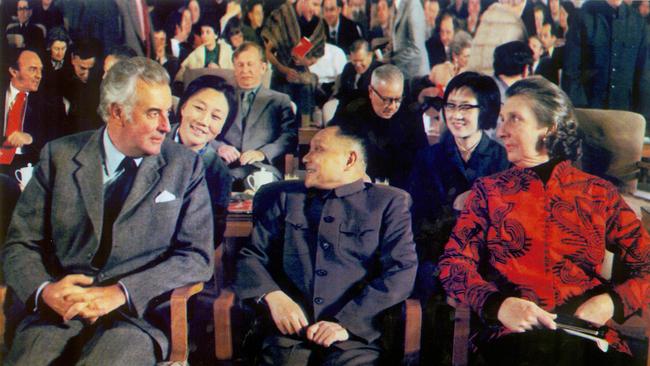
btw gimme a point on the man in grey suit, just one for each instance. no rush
(265, 128)
(135, 26)
(110, 223)
(408, 39)
(327, 256)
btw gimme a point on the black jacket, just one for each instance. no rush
(347, 33)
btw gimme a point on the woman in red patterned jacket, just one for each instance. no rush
(531, 241)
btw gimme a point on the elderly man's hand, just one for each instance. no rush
(325, 333)
(519, 315)
(598, 309)
(56, 294)
(286, 314)
(228, 153)
(251, 156)
(19, 139)
(98, 301)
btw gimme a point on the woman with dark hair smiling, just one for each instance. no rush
(530, 243)
(446, 170)
(207, 107)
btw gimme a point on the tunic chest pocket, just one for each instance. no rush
(357, 240)
(296, 234)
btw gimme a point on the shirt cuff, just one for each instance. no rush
(129, 305)
(38, 294)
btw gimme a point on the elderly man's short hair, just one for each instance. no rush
(388, 74)
(119, 86)
(461, 41)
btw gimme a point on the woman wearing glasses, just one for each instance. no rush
(444, 171)
(530, 243)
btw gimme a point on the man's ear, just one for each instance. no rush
(353, 157)
(116, 112)
(13, 72)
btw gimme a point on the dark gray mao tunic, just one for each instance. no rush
(343, 255)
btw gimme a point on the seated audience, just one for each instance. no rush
(48, 14)
(325, 282)
(500, 23)
(380, 26)
(116, 54)
(438, 45)
(355, 78)
(81, 88)
(253, 22)
(265, 128)
(394, 131)
(30, 118)
(460, 49)
(57, 65)
(178, 27)
(443, 173)
(431, 11)
(96, 284)
(530, 243)
(283, 31)
(328, 68)
(551, 63)
(512, 62)
(537, 52)
(162, 53)
(341, 31)
(214, 52)
(233, 33)
(207, 106)
(25, 33)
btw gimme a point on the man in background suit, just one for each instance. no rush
(341, 31)
(29, 118)
(409, 51)
(355, 78)
(327, 256)
(265, 128)
(111, 222)
(137, 31)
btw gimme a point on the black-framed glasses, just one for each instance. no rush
(464, 108)
(23, 8)
(387, 100)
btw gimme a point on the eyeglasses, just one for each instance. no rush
(463, 108)
(387, 100)
(23, 8)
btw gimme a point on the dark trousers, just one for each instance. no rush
(279, 350)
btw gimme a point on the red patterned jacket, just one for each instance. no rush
(544, 244)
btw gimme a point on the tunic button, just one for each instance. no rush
(319, 300)
(325, 245)
(321, 272)
(328, 219)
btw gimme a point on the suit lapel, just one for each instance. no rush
(88, 177)
(399, 15)
(135, 18)
(147, 177)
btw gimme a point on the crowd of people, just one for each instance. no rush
(444, 167)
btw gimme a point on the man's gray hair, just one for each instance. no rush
(461, 41)
(388, 74)
(119, 85)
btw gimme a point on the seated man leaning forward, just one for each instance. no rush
(327, 256)
(110, 223)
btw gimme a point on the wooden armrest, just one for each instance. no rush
(413, 327)
(179, 325)
(460, 354)
(222, 307)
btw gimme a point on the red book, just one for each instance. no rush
(302, 48)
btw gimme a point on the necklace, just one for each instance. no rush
(466, 152)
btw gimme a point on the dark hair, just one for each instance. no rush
(358, 45)
(350, 129)
(57, 34)
(442, 16)
(14, 55)
(248, 46)
(211, 82)
(553, 109)
(512, 58)
(486, 92)
(86, 48)
(121, 52)
(570, 8)
(173, 20)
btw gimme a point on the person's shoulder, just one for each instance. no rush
(383, 192)
(175, 153)
(71, 142)
(275, 190)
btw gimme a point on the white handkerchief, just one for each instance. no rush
(165, 196)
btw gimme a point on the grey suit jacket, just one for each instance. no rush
(157, 246)
(130, 27)
(271, 126)
(409, 50)
(359, 261)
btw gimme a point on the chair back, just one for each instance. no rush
(612, 145)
